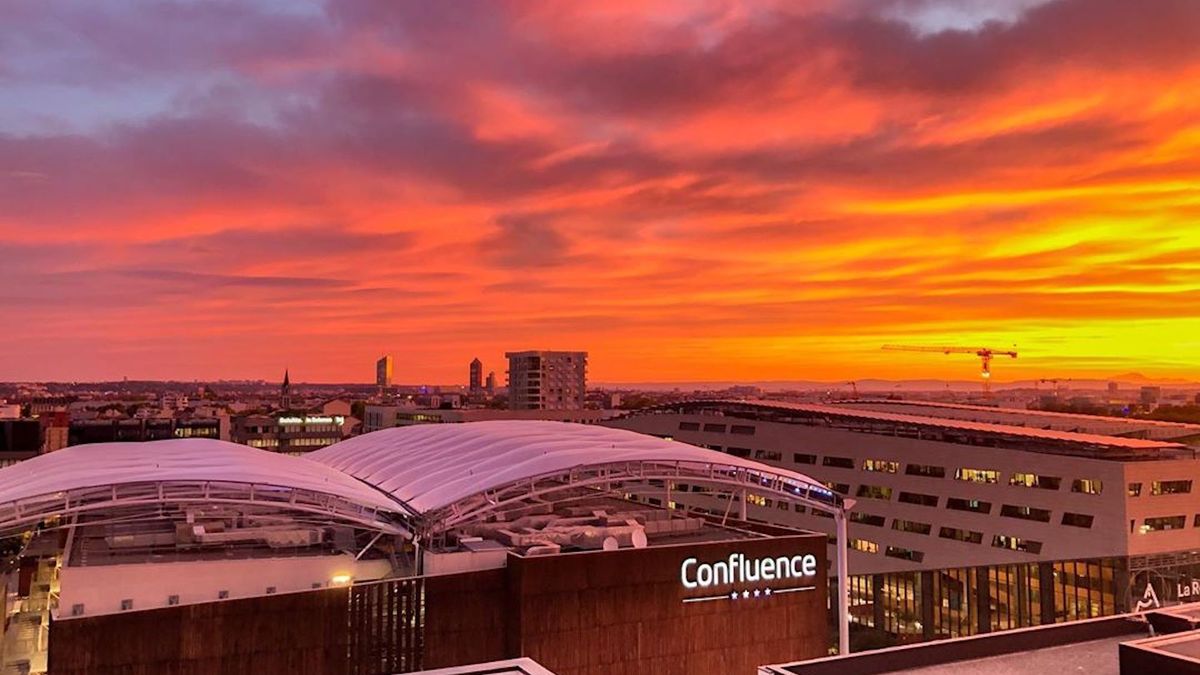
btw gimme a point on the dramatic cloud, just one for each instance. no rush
(688, 190)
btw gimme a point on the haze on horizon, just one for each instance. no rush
(690, 191)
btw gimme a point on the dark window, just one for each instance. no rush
(957, 534)
(1017, 544)
(1077, 519)
(904, 553)
(839, 462)
(718, 428)
(1135, 489)
(743, 429)
(1165, 523)
(689, 426)
(738, 452)
(918, 499)
(821, 514)
(911, 526)
(1025, 513)
(842, 488)
(768, 455)
(867, 519)
(801, 458)
(1170, 487)
(927, 470)
(1087, 486)
(874, 491)
(799, 508)
(972, 505)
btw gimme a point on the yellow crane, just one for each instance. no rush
(985, 354)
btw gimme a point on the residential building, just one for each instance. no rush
(546, 380)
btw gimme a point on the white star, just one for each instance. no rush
(733, 595)
(756, 592)
(745, 594)
(768, 591)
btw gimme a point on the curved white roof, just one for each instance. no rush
(432, 466)
(104, 464)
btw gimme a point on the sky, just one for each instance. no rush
(687, 189)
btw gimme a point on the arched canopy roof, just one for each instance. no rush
(87, 478)
(451, 473)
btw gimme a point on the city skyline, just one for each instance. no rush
(687, 191)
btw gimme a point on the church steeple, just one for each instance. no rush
(285, 392)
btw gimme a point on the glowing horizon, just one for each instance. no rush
(689, 191)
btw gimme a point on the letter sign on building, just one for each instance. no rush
(740, 577)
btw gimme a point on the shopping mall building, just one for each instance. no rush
(969, 519)
(405, 549)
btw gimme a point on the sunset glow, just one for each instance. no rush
(686, 190)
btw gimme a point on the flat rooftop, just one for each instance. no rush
(1095, 657)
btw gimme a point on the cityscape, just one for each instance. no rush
(369, 337)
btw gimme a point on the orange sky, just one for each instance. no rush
(687, 190)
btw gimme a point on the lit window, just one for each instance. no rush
(1035, 481)
(1087, 486)
(1170, 487)
(864, 545)
(977, 475)
(881, 465)
(1135, 489)
(841, 488)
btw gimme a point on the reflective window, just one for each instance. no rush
(1170, 487)
(1164, 523)
(1033, 480)
(1087, 486)
(882, 465)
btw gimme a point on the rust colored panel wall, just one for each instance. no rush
(617, 612)
(300, 633)
(466, 618)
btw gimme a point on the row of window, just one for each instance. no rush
(742, 429)
(1162, 487)
(998, 541)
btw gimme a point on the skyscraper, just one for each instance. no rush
(383, 371)
(476, 380)
(490, 386)
(546, 380)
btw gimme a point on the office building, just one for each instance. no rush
(383, 372)
(379, 417)
(407, 549)
(138, 430)
(475, 381)
(546, 380)
(291, 433)
(965, 520)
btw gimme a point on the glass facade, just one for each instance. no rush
(935, 604)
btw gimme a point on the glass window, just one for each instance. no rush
(864, 545)
(738, 452)
(1025, 513)
(1077, 519)
(927, 470)
(842, 488)
(1164, 523)
(718, 428)
(961, 535)
(911, 526)
(867, 519)
(972, 505)
(743, 429)
(689, 426)
(904, 553)
(977, 475)
(1087, 486)
(1135, 489)
(874, 491)
(881, 465)
(1017, 544)
(1035, 481)
(918, 499)
(839, 462)
(801, 458)
(1170, 487)
(768, 455)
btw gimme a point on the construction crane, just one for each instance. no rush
(985, 355)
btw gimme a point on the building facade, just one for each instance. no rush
(383, 371)
(546, 380)
(475, 377)
(289, 433)
(961, 526)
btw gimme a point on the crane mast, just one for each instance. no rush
(985, 355)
